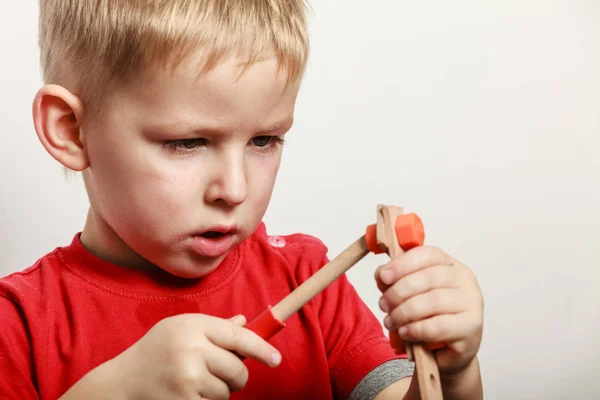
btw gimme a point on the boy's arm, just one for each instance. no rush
(16, 362)
(98, 384)
(17, 370)
(465, 385)
(397, 390)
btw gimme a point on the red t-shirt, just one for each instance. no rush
(72, 311)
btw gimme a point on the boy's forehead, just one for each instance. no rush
(227, 94)
(229, 73)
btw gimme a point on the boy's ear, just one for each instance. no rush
(57, 115)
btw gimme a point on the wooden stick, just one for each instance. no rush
(428, 374)
(320, 280)
(385, 236)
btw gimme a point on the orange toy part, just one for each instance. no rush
(371, 239)
(266, 324)
(409, 231)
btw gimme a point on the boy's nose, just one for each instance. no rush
(230, 185)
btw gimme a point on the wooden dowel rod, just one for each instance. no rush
(428, 374)
(320, 280)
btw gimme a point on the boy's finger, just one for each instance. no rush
(440, 328)
(426, 305)
(413, 260)
(228, 367)
(211, 387)
(425, 280)
(243, 341)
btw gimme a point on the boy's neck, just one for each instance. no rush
(102, 241)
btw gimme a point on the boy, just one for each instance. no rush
(174, 112)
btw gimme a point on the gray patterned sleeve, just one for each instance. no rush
(380, 378)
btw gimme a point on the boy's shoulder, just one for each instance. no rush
(31, 280)
(294, 247)
(289, 240)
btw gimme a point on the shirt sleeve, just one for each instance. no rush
(381, 377)
(16, 358)
(354, 338)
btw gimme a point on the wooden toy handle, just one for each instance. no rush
(428, 374)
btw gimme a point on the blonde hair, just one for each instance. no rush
(93, 44)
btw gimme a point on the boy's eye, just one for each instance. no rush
(192, 143)
(185, 144)
(262, 141)
(266, 144)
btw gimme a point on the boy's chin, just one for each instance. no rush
(195, 269)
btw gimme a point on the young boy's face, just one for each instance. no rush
(182, 166)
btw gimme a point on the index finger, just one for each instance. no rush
(246, 343)
(413, 260)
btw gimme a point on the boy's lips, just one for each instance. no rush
(214, 242)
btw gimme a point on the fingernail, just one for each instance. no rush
(403, 331)
(384, 305)
(275, 359)
(386, 276)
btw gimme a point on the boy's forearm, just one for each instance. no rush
(98, 384)
(466, 385)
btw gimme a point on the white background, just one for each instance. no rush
(482, 117)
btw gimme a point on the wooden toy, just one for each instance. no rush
(392, 225)
(394, 233)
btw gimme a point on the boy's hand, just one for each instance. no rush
(431, 297)
(191, 356)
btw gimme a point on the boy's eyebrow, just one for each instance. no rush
(184, 126)
(282, 125)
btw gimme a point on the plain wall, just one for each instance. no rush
(482, 117)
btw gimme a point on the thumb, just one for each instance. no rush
(380, 285)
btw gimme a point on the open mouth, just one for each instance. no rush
(217, 232)
(213, 234)
(214, 242)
